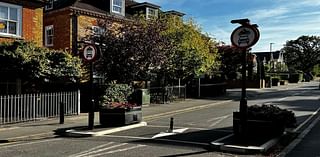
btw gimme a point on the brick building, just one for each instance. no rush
(21, 20)
(66, 22)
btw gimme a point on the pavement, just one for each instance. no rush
(306, 144)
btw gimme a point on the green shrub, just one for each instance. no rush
(275, 79)
(295, 77)
(272, 113)
(284, 76)
(117, 93)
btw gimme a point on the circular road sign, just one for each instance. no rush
(89, 53)
(245, 36)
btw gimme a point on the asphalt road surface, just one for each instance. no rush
(193, 130)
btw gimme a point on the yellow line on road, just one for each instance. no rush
(171, 113)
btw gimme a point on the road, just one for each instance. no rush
(195, 128)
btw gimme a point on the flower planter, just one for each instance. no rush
(120, 116)
(257, 128)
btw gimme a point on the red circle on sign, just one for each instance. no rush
(89, 53)
(245, 36)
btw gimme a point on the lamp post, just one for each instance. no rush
(271, 58)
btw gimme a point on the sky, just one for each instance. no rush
(278, 20)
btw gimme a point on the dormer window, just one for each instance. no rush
(117, 6)
(151, 13)
(49, 6)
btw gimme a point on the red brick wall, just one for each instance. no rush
(61, 22)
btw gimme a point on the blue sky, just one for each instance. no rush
(278, 20)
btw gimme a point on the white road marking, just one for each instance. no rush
(90, 153)
(218, 121)
(131, 137)
(282, 99)
(175, 131)
(92, 149)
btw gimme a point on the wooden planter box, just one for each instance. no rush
(120, 116)
(257, 128)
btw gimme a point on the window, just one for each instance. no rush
(49, 35)
(151, 13)
(10, 19)
(97, 31)
(49, 5)
(117, 6)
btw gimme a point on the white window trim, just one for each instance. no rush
(147, 12)
(19, 19)
(100, 30)
(51, 4)
(122, 8)
(46, 35)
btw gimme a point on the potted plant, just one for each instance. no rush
(118, 107)
(265, 121)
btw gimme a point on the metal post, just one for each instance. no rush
(61, 113)
(91, 112)
(171, 125)
(243, 101)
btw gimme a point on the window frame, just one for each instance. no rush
(100, 30)
(118, 6)
(50, 3)
(18, 22)
(46, 36)
(150, 16)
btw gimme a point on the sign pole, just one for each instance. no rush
(243, 101)
(243, 38)
(90, 55)
(91, 111)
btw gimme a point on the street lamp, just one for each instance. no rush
(271, 57)
(271, 46)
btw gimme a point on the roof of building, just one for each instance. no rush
(144, 4)
(267, 55)
(174, 12)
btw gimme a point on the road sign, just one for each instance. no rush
(245, 36)
(89, 53)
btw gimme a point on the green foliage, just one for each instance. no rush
(34, 64)
(193, 53)
(116, 93)
(295, 77)
(165, 47)
(62, 65)
(272, 113)
(303, 53)
(131, 50)
(230, 62)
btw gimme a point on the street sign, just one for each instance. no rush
(89, 53)
(245, 36)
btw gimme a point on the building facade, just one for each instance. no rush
(67, 22)
(21, 20)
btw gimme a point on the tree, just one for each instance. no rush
(230, 62)
(192, 54)
(37, 65)
(131, 49)
(165, 48)
(303, 53)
